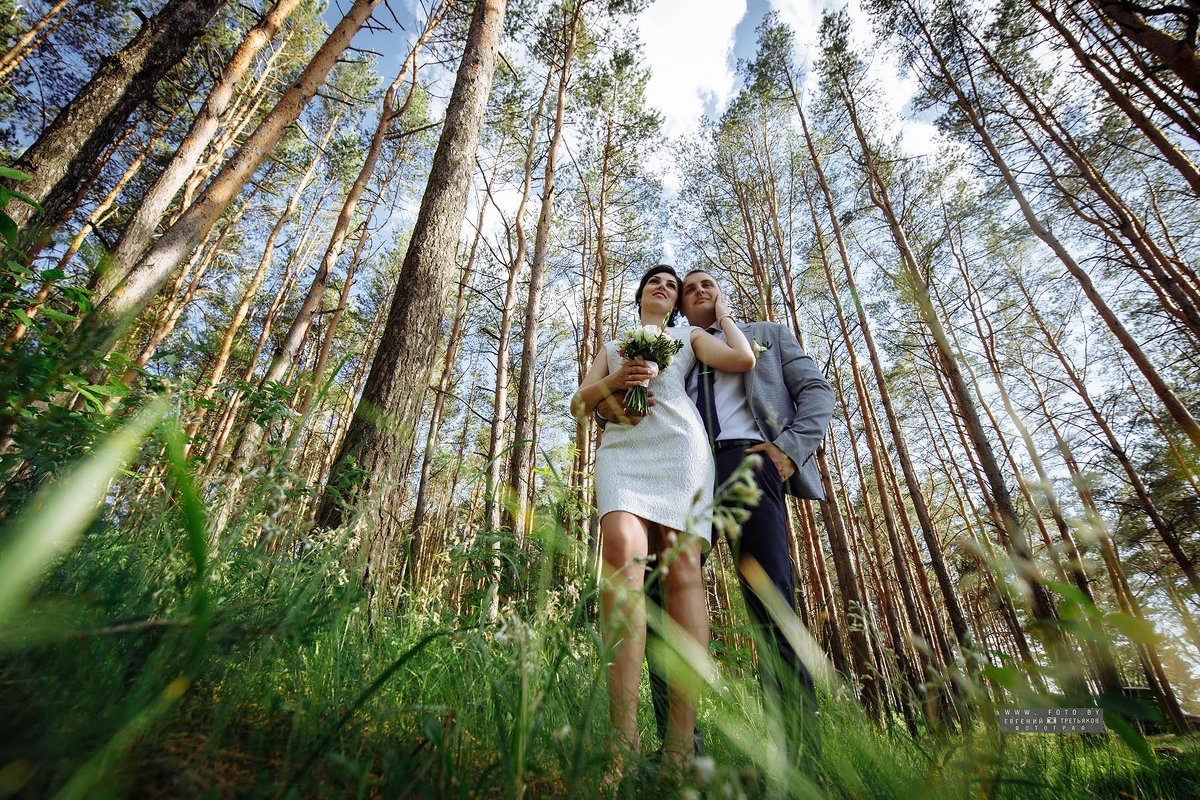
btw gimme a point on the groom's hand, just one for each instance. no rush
(612, 408)
(783, 464)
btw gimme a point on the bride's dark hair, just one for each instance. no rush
(650, 273)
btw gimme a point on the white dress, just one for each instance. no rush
(662, 468)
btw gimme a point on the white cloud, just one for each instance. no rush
(688, 44)
(894, 89)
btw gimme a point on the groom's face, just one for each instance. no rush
(700, 293)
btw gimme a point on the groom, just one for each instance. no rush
(779, 410)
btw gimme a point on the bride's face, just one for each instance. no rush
(660, 294)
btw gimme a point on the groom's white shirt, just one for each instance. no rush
(729, 395)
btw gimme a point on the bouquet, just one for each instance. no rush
(653, 344)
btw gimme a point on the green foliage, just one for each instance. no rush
(155, 661)
(43, 366)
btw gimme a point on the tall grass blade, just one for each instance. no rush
(62, 511)
(360, 701)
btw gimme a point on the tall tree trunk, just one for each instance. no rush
(28, 41)
(385, 420)
(175, 305)
(912, 483)
(1013, 535)
(279, 297)
(900, 642)
(462, 302)
(849, 586)
(155, 267)
(524, 434)
(1101, 656)
(225, 349)
(286, 354)
(64, 154)
(493, 474)
(140, 227)
(980, 547)
(936, 64)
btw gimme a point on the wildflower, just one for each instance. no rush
(705, 769)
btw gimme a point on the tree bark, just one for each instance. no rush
(148, 275)
(385, 420)
(65, 153)
(140, 227)
(1177, 55)
(912, 483)
(95, 219)
(524, 434)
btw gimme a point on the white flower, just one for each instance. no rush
(758, 348)
(651, 332)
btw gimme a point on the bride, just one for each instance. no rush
(654, 485)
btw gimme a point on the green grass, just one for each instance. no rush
(149, 663)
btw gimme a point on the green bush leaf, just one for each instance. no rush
(8, 229)
(1140, 631)
(14, 174)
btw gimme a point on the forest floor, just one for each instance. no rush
(292, 693)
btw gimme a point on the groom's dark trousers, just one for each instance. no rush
(789, 697)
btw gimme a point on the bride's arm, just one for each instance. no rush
(732, 355)
(600, 384)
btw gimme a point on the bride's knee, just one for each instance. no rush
(621, 545)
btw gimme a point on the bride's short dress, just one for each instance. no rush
(662, 468)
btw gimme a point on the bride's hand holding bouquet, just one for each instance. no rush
(654, 348)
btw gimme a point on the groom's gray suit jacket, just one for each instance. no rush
(791, 401)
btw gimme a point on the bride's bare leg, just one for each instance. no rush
(686, 606)
(624, 538)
